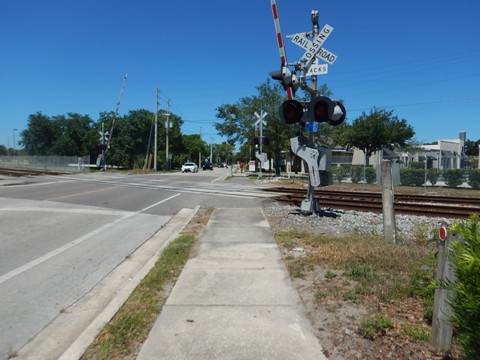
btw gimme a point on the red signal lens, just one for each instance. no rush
(320, 111)
(291, 111)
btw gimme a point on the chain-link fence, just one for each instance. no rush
(53, 163)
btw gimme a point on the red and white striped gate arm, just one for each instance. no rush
(281, 49)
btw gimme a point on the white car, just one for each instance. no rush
(190, 166)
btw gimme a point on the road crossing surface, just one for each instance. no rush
(62, 235)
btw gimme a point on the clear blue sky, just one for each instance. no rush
(418, 57)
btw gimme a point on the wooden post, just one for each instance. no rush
(389, 228)
(442, 328)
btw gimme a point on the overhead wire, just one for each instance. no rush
(427, 102)
(376, 73)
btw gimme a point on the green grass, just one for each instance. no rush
(416, 332)
(330, 275)
(131, 325)
(375, 326)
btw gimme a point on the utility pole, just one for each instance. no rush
(211, 151)
(104, 147)
(167, 126)
(156, 133)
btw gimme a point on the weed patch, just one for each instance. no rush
(417, 333)
(375, 326)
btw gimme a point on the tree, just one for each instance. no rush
(60, 135)
(39, 136)
(72, 132)
(238, 123)
(139, 125)
(121, 142)
(471, 147)
(129, 138)
(377, 130)
(223, 152)
(193, 145)
(239, 120)
(3, 150)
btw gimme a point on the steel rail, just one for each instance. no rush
(27, 172)
(436, 206)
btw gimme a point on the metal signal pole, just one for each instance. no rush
(314, 206)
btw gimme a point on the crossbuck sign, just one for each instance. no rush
(315, 51)
(317, 43)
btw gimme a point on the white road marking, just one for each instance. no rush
(51, 254)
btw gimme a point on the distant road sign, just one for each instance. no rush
(324, 54)
(317, 44)
(315, 69)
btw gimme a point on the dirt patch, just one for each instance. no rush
(196, 225)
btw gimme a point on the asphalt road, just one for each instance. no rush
(61, 235)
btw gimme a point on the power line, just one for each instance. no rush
(423, 103)
(410, 86)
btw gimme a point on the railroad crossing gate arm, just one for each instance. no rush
(310, 156)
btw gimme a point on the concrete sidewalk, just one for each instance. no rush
(234, 299)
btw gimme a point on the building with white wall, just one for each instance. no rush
(446, 154)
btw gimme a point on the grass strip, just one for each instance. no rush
(123, 336)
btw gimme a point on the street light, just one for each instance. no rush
(14, 141)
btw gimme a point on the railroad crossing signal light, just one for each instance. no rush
(291, 112)
(324, 109)
(286, 78)
(265, 141)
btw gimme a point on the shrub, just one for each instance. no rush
(370, 175)
(465, 258)
(432, 176)
(474, 178)
(417, 165)
(453, 177)
(356, 173)
(474, 162)
(412, 177)
(341, 172)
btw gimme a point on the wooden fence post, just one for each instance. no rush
(389, 226)
(442, 328)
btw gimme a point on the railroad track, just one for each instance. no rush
(26, 172)
(422, 205)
